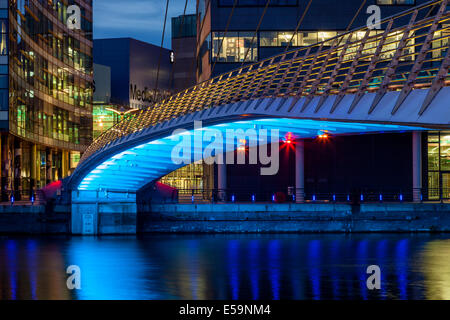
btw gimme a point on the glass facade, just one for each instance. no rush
(194, 179)
(438, 152)
(235, 47)
(50, 91)
(106, 116)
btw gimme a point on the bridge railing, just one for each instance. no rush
(355, 196)
(410, 50)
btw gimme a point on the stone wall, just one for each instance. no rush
(34, 220)
(243, 218)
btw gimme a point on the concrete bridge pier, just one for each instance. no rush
(103, 212)
(300, 171)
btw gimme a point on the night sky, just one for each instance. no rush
(139, 19)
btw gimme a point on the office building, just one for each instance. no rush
(46, 91)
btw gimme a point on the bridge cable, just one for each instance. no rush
(180, 30)
(298, 25)
(356, 15)
(198, 42)
(340, 39)
(224, 35)
(256, 31)
(160, 49)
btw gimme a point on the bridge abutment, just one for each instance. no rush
(101, 212)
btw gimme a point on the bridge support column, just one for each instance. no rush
(222, 181)
(417, 165)
(101, 212)
(300, 171)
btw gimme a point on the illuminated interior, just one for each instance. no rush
(438, 165)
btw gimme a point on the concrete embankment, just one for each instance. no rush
(26, 219)
(223, 218)
(242, 218)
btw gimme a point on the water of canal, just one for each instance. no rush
(326, 266)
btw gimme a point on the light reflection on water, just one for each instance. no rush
(226, 267)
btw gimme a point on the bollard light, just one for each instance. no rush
(381, 197)
(362, 197)
(293, 197)
(12, 199)
(253, 198)
(32, 199)
(273, 198)
(314, 197)
(334, 197)
(232, 198)
(348, 198)
(192, 198)
(401, 197)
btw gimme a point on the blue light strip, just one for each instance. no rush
(132, 169)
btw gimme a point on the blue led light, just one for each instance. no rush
(273, 198)
(401, 197)
(348, 197)
(133, 168)
(12, 199)
(362, 197)
(314, 197)
(253, 198)
(232, 198)
(381, 197)
(334, 197)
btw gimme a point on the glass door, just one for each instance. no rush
(445, 178)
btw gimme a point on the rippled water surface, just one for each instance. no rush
(226, 267)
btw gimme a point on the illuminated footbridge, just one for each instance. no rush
(390, 79)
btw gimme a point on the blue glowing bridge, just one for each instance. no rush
(364, 81)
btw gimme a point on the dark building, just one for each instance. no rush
(135, 80)
(184, 46)
(340, 164)
(323, 20)
(46, 91)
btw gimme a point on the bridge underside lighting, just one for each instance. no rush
(134, 168)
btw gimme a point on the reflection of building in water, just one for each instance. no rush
(435, 263)
(29, 271)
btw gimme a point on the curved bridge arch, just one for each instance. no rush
(392, 80)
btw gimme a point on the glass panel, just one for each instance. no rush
(433, 185)
(433, 156)
(325, 35)
(446, 185)
(246, 48)
(307, 38)
(285, 37)
(268, 39)
(445, 151)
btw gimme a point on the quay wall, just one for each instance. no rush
(266, 218)
(242, 218)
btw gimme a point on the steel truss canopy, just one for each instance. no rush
(392, 79)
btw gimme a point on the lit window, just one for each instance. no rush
(396, 2)
(234, 47)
